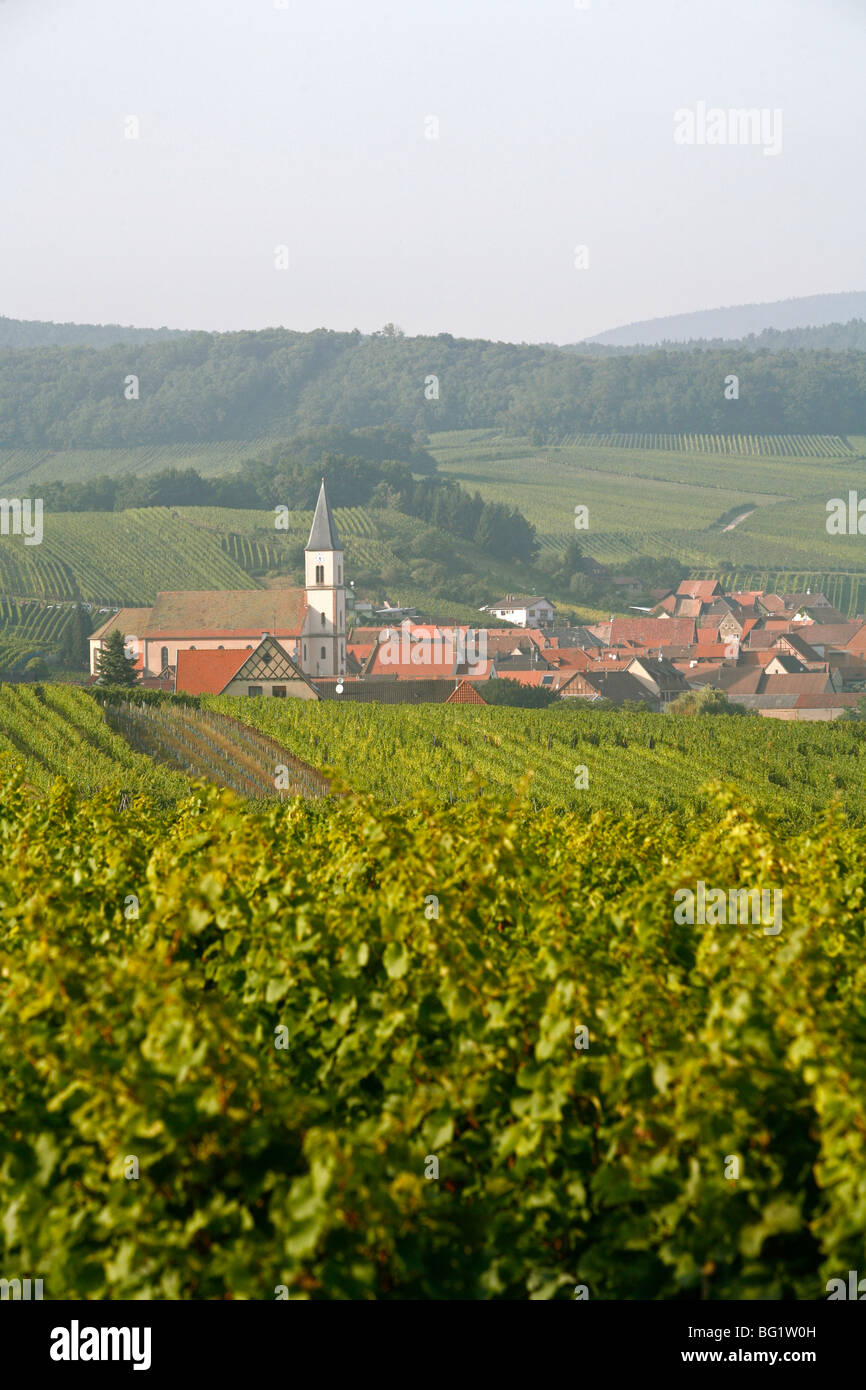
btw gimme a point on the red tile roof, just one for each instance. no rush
(704, 589)
(465, 694)
(652, 632)
(207, 672)
(771, 603)
(574, 658)
(667, 604)
(689, 607)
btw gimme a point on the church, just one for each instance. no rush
(261, 641)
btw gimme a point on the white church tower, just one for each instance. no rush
(323, 640)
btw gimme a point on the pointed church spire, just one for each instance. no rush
(323, 532)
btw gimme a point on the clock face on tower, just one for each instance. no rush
(318, 559)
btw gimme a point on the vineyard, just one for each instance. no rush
(641, 762)
(58, 731)
(215, 748)
(126, 558)
(30, 630)
(635, 762)
(253, 555)
(666, 495)
(117, 558)
(61, 731)
(745, 445)
(425, 1053)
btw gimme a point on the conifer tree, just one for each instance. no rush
(113, 665)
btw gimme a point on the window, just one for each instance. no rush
(305, 651)
(339, 574)
(163, 658)
(254, 690)
(320, 574)
(221, 648)
(323, 620)
(279, 691)
(192, 649)
(324, 653)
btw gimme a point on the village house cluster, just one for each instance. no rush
(786, 656)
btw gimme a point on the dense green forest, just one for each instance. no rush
(204, 386)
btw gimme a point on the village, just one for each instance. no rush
(782, 656)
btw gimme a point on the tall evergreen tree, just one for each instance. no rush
(114, 666)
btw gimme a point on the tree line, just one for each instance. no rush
(275, 383)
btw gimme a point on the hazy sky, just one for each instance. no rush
(307, 127)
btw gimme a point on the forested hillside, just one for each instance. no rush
(234, 386)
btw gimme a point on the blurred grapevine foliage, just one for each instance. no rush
(410, 1034)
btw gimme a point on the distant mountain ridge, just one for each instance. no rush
(832, 337)
(739, 321)
(23, 333)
